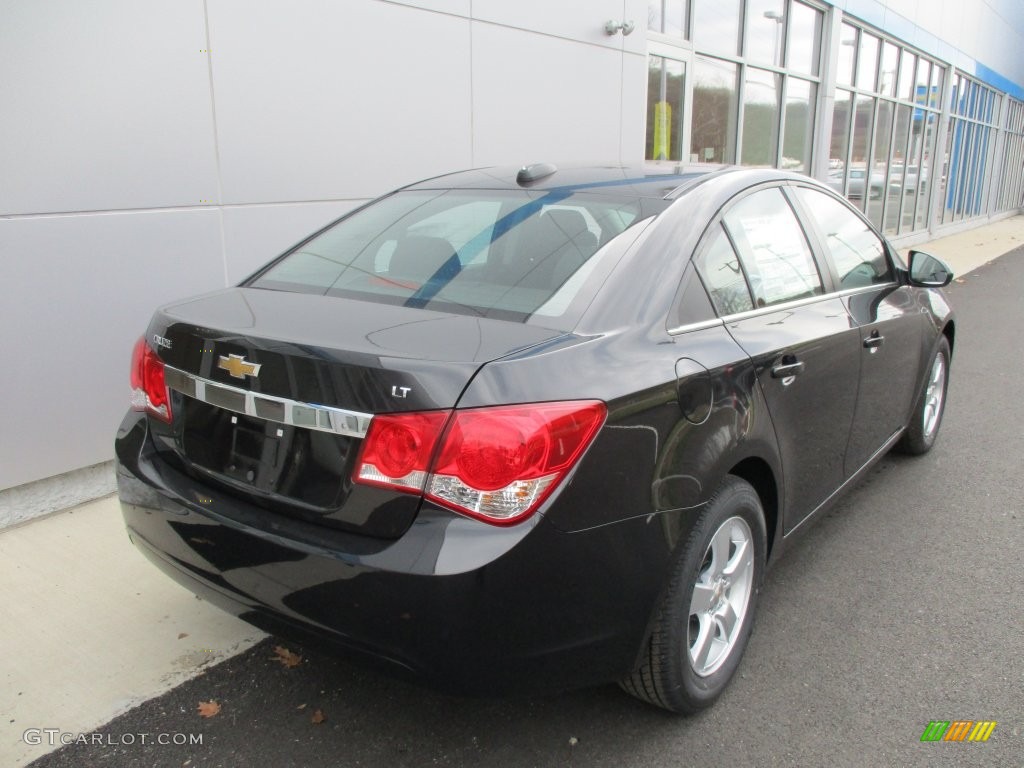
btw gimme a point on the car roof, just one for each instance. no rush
(650, 181)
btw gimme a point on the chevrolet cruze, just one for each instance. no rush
(538, 428)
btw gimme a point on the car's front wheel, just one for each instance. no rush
(707, 613)
(927, 418)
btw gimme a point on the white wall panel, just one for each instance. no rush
(634, 104)
(907, 8)
(538, 98)
(458, 7)
(575, 19)
(636, 11)
(104, 105)
(78, 292)
(253, 235)
(320, 100)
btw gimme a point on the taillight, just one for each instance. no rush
(496, 464)
(397, 449)
(149, 390)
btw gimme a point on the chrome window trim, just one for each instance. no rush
(804, 302)
(725, 319)
(702, 325)
(322, 418)
(865, 288)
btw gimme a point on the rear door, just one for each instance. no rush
(889, 323)
(804, 345)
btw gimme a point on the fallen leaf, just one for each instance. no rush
(286, 657)
(573, 741)
(208, 708)
(182, 635)
(318, 717)
(301, 706)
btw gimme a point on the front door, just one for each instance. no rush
(889, 323)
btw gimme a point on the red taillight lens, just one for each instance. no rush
(397, 449)
(496, 464)
(149, 390)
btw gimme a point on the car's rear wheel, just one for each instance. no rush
(927, 418)
(707, 613)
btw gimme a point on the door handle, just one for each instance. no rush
(874, 341)
(787, 369)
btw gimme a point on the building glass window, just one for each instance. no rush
(888, 72)
(860, 144)
(804, 40)
(667, 17)
(751, 81)
(923, 75)
(665, 95)
(839, 146)
(867, 61)
(903, 176)
(884, 126)
(766, 21)
(906, 86)
(1010, 193)
(716, 25)
(970, 148)
(760, 117)
(715, 100)
(847, 53)
(877, 188)
(798, 134)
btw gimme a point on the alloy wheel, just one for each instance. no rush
(721, 596)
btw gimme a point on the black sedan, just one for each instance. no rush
(515, 430)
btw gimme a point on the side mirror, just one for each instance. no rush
(927, 271)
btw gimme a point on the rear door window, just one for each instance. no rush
(773, 249)
(719, 268)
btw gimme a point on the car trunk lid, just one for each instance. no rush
(273, 392)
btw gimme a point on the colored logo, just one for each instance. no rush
(958, 730)
(238, 366)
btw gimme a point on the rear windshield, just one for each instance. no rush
(512, 255)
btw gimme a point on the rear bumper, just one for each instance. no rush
(457, 603)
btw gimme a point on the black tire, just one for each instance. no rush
(927, 417)
(667, 675)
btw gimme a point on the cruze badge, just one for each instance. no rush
(238, 366)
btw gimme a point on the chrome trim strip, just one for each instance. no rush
(804, 302)
(702, 325)
(282, 410)
(865, 289)
(776, 308)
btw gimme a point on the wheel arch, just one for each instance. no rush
(949, 331)
(759, 474)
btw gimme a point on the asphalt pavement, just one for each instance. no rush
(903, 605)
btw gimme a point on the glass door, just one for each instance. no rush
(668, 134)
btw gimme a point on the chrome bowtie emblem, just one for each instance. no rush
(238, 366)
